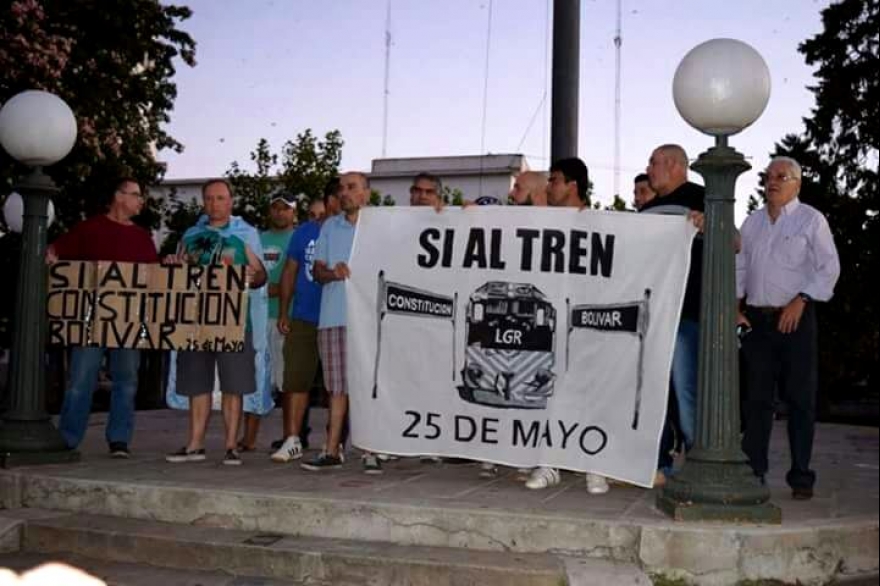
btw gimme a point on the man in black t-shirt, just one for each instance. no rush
(667, 173)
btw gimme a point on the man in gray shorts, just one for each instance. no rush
(221, 238)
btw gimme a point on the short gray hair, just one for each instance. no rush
(793, 166)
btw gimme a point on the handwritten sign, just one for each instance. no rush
(147, 306)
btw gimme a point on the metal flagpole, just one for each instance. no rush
(643, 327)
(380, 316)
(454, 312)
(567, 330)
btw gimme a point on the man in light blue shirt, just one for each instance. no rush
(332, 253)
(788, 262)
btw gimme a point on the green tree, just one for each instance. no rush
(617, 205)
(452, 196)
(302, 168)
(253, 191)
(377, 199)
(839, 155)
(114, 64)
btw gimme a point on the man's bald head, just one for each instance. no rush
(530, 188)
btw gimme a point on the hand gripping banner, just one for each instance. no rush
(398, 299)
(628, 318)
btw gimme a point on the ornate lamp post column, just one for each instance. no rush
(37, 129)
(720, 87)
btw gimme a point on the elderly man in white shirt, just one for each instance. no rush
(787, 263)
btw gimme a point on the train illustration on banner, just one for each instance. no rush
(510, 347)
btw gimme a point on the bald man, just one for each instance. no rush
(530, 189)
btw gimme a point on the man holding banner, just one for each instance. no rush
(221, 238)
(567, 187)
(112, 236)
(332, 254)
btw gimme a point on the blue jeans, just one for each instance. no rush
(84, 366)
(684, 377)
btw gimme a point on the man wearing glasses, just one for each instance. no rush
(787, 263)
(426, 191)
(111, 236)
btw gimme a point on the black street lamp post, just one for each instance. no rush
(38, 129)
(720, 87)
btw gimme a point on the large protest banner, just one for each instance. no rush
(523, 336)
(147, 306)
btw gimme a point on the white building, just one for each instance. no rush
(475, 176)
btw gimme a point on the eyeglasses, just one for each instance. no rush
(780, 178)
(420, 191)
(134, 193)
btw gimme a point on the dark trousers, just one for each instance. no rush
(771, 358)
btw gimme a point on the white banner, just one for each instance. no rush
(522, 336)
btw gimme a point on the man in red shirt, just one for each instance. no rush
(110, 236)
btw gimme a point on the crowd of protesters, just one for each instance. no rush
(786, 263)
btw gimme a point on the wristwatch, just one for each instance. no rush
(804, 297)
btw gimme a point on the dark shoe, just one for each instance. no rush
(372, 465)
(457, 461)
(803, 493)
(304, 438)
(243, 448)
(231, 458)
(119, 450)
(184, 455)
(322, 462)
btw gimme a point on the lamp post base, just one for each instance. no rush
(25, 443)
(718, 491)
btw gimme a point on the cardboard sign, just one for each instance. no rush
(147, 306)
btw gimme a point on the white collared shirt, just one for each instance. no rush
(795, 254)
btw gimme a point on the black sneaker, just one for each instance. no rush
(184, 455)
(322, 462)
(231, 458)
(119, 450)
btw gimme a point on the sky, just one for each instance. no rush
(273, 68)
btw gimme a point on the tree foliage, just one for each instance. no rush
(302, 168)
(839, 154)
(113, 62)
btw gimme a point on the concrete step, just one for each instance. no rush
(128, 574)
(307, 560)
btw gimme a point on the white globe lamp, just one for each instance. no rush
(13, 212)
(721, 86)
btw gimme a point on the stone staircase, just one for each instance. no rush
(131, 552)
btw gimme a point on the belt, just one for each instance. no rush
(769, 310)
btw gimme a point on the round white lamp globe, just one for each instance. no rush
(721, 86)
(13, 212)
(37, 128)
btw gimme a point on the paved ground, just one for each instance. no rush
(845, 458)
(847, 495)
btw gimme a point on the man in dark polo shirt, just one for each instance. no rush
(667, 173)
(111, 236)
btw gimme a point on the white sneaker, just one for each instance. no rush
(291, 449)
(488, 470)
(542, 478)
(596, 484)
